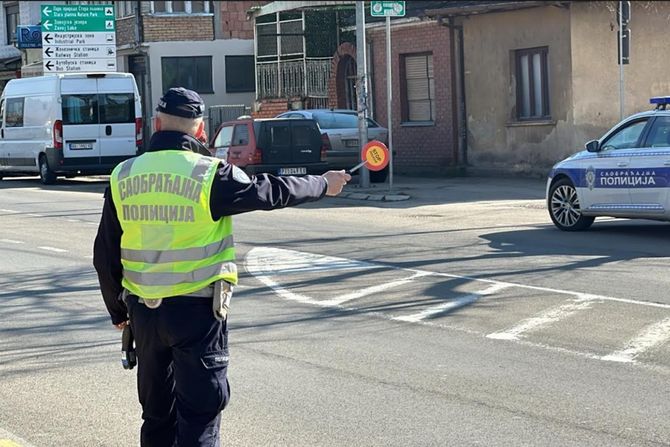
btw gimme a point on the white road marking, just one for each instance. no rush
(265, 263)
(54, 249)
(34, 215)
(450, 306)
(11, 241)
(549, 316)
(372, 289)
(284, 293)
(8, 211)
(284, 262)
(650, 337)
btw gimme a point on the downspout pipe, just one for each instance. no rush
(456, 34)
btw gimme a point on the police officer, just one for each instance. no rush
(164, 255)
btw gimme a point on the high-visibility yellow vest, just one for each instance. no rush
(170, 244)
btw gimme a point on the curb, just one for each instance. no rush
(373, 197)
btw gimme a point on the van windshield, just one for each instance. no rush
(107, 108)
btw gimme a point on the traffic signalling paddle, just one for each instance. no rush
(375, 154)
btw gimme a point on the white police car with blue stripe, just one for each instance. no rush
(626, 173)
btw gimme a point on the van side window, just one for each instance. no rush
(241, 135)
(117, 108)
(38, 110)
(14, 116)
(80, 109)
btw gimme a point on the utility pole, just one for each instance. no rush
(361, 87)
(623, 17)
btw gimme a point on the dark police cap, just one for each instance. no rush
(182, 102)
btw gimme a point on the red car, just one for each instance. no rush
(275, 146)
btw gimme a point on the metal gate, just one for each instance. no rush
(220, 114)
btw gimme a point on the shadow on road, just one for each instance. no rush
(79, 184)
(52, 320)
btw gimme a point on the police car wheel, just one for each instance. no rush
(564, 209)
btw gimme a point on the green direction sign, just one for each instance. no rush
(387, 8)
(72, 18)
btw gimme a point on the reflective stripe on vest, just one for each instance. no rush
(172, 278)
(184, 254)
(170, 245)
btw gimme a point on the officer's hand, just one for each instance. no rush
(336, 181)
(121, 326)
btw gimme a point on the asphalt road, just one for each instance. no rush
(460, 317)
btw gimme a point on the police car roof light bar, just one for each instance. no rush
(661, 102)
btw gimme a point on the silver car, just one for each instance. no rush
(341, 127)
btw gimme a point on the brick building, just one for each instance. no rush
(423, 92)
(425, 133)
(203, 45)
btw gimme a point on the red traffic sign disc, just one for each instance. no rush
(376, 155)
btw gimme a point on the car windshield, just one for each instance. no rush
(339, 120)
(336, 120)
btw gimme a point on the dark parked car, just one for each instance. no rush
(341, 126)
(274, 146)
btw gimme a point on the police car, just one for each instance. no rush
(625, 173)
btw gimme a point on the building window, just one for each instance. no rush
(181, 7)
(158, 6)
(532, 84)
(194, 73)
(124, 9)
(12, 17)
(199, 7)
(240, 74)
(418, 95)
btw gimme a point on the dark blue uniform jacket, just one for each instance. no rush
(232, 193)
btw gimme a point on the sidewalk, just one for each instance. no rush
(447, 189)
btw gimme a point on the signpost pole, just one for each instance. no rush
(389, 100)
(621, 82)
(388, 9)
(361, 88)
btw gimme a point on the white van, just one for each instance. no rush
(69, 124)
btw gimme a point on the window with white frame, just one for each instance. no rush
(11, 22)
(532, 84)
(418, 93)
(124, 8)
(181, 7)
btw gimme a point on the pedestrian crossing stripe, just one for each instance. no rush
(272, 265)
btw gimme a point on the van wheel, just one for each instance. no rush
(47, 176)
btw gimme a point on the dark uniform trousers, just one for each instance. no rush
(182, 360)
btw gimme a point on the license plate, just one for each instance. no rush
(81, 146)
(351, 143)
(292, 171)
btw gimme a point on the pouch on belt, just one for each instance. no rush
(223, 292)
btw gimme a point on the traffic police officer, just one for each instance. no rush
(164, 255)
